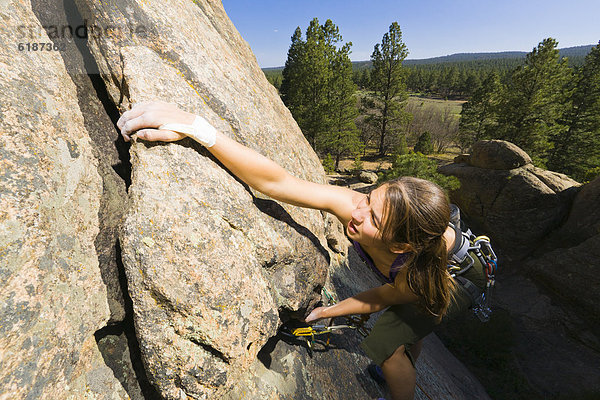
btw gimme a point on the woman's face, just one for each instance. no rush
(366, 218)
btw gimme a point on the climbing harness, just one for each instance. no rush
(461, 261)
(311, 332)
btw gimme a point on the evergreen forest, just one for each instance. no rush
(546, 101)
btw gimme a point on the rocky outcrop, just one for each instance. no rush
(584, 217)
(568, 262)
(517, 206)
(546, 228)
(53, 297)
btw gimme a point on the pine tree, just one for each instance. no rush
(424, 145)
(313, 110)
(401, 147)
(479, 116)
(365, 79)
(318, 89)
(577, 151)
(417, 165)
(342, 139)
(388, 85)
(449, 81)
(356, 77)
(535, 102)
(292, 73)
(472, 83)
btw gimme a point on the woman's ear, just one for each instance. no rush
(401, 248)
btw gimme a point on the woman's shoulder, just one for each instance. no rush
(450, 238)
(402, 291)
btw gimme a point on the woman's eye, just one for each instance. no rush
(373, 221)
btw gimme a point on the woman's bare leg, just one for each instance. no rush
(400, 375)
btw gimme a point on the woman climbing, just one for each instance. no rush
(400, 229)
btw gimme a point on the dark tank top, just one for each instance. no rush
(394, 269)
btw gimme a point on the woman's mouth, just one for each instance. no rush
(351, 228)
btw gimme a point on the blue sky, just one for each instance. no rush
(430, 28)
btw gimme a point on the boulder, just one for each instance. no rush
(518, 207)
(545, 226)
(368, 177)
(571, 275)
(462, 158)
(553, 349)
(497, 154)
(584, 217)
(53, 298)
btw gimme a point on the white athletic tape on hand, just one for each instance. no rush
(200, 130)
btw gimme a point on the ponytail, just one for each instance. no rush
(428, 277)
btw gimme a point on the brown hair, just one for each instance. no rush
(416, 213)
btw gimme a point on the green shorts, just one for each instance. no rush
(406, 324)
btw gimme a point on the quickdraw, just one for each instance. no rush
(487, 257)
(311, 332)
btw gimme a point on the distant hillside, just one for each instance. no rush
(577, 51)
(272, 69)
(572, 52)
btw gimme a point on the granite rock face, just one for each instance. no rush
(210, 264)
(518, 206)
(53, 297)
(53, 15)
(116, 353)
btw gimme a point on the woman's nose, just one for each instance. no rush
(358, 214)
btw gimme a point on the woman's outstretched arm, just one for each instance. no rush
(369, 301)
(251, 167)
